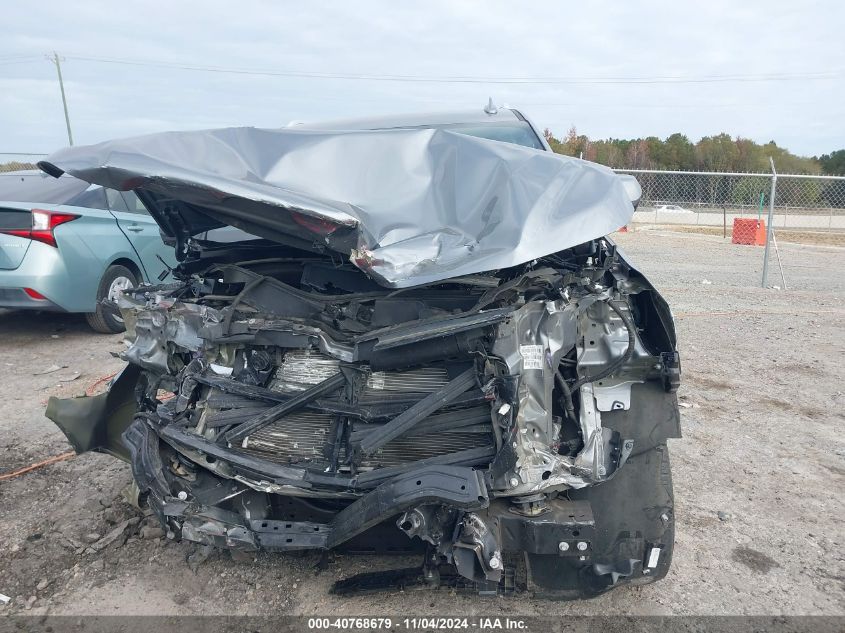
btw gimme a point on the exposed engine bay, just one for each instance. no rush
(417, 340)
(280, 406)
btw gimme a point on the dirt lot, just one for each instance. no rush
(813, 238)
(758, 476)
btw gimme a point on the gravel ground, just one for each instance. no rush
(758, 475)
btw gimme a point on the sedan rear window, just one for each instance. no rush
(40, 188)
(93, 198)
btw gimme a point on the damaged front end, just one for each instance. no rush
(273, 406)
(418, 341)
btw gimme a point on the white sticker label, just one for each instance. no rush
(653, 556)
(532, 356)
(376, 380)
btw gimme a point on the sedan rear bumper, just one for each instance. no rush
(17, 299)
(67, 287)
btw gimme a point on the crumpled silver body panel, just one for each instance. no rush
(415, 206)
(152, 332)
(531, 344)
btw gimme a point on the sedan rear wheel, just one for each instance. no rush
(106, 318)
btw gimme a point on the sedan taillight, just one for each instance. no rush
(43, 223)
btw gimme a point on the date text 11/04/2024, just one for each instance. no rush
(422, 623)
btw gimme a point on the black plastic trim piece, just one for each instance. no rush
(453, 486)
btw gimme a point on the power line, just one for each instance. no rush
(21, 60)
(5, 57)
(670, 79)
(464, 79)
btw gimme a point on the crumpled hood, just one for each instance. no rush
(408, 207)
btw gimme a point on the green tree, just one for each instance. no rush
(833, 164)
(607, 153)
(637, 155)
(678, 153)
(746, 192)
(719, 152)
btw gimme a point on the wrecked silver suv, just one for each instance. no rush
(394, 340)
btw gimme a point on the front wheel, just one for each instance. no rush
(106, 317)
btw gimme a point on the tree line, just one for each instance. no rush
(720, 152)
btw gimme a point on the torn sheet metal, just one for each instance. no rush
(408, 207)
(531, 344)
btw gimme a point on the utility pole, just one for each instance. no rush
(55, 59)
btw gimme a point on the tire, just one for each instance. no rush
(106, 318)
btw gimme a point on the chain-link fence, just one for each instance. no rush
(712, 199)
(749, 209)
(16, 161)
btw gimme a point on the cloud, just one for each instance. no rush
(439, 38)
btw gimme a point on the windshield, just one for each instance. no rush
(40, 188)
(516, 132)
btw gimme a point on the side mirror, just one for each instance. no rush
(632, 187)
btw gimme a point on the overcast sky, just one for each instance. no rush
(798, 43)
